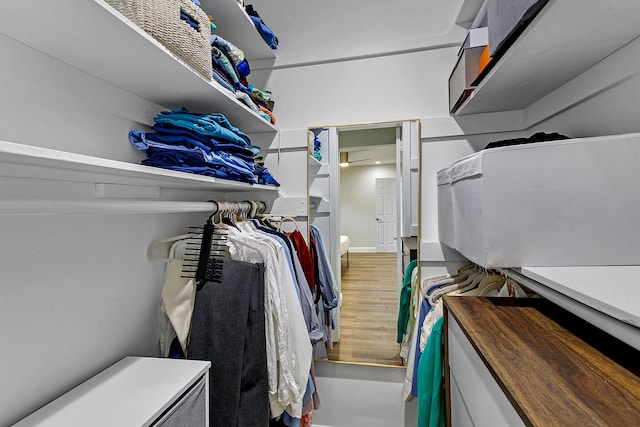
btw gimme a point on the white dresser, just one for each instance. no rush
(136, 391)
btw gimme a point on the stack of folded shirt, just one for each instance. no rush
(204, 144)
(230, 70)
(263, 29)
(317, 145)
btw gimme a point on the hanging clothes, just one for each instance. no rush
(228, 328)
(304, 256)
(327, 295)
(431, 402)
(425, 369)
(289, 324)
(405, 301)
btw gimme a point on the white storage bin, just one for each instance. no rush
(445, 209)
(560, 203)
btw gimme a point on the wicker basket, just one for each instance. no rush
(161, 19)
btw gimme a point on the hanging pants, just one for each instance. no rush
(228, 329)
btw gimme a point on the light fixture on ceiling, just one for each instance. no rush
(344, 159)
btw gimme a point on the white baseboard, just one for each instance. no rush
(363, 249)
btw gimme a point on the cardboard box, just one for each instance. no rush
(462, 76)
(475, 37)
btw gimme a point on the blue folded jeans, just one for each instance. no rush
(172, 155)
(215, 125)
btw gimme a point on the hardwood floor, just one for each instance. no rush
(369, 313)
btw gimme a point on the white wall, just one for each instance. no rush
(358, 202)
(394, 87)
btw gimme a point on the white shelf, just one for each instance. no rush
(319, 204)
(290, 206)
(566, 38)
(612, 290)
(29, 162)
(135, 391)
(93, 37)
(314, 162)
(235, 26)
(622, 330)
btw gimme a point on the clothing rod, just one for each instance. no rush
(98, 207)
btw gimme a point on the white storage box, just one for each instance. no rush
(445, 209)
(560, 203)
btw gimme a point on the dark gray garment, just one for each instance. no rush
(189, 410)
(228, 329)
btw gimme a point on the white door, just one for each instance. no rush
(386, 215)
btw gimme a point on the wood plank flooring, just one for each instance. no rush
(369, 313)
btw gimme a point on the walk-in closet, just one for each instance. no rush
(203, 203)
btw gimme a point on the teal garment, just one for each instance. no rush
(431, 396)
(404, 309)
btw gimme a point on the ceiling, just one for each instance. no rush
(317, 31)
(367, 147)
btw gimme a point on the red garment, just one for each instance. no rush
(305, 257)
(307, 420)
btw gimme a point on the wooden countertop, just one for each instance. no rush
(555, 369)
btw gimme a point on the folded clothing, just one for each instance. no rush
(184, 157)
(199, 143)
(536, 137)
(267, 33)
(214, 124)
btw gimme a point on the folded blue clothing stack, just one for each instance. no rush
(204, 144)
(267, 33)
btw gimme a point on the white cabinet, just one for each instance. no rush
(134, 392)
(525, 361)
(475, 394)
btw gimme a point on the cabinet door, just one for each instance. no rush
(189, 410)
(479, 394)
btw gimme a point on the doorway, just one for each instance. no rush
(370, 200)
(386, 217)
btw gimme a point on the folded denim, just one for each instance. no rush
(184, 162)
(264, 176)
(221, 78)
(263, 29)
(215, 125)
(174, 136)
(190, 156)
(218, 57)
(233, 53)
(189, 20)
